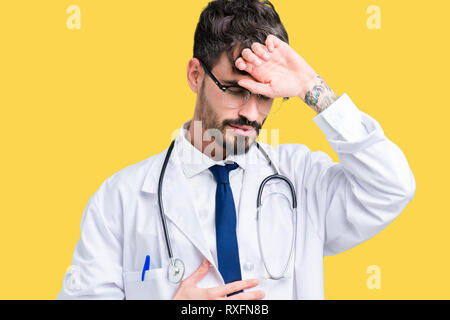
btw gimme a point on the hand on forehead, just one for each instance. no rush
(277, 70)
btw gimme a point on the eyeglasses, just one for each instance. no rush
(235, 96)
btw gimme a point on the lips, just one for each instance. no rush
(245, 128)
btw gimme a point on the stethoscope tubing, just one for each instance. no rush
(160, 202)
(176, 270)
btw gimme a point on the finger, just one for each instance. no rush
(240, 64)
(249, 56)
(249, 295)
(261, 51)
(198, 274)
(256, 87)
(273, 42)
(244, 66)
(270, 43)
(232, 287)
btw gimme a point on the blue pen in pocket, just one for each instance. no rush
(146, 267)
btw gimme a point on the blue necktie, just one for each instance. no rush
(226, 240)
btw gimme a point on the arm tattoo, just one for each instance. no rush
(320, 96)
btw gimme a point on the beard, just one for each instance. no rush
(217, 130)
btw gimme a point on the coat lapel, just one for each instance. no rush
(177, 201)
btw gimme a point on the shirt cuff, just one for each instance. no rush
(341, 121)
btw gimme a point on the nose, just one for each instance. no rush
(250, 109)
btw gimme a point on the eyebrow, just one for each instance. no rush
(230, 82)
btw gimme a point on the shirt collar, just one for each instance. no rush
(193, 161)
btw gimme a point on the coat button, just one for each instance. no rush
(248, 266)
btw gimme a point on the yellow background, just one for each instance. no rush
(79, 105)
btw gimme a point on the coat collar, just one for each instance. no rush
(191, 161)
(194, 161)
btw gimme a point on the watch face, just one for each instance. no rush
(175, 271)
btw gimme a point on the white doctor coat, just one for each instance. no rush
(339, 206)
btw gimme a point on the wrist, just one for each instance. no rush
(309, 81)
(318, 95)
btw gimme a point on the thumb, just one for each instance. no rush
(198, 274)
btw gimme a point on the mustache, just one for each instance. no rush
(242, 122)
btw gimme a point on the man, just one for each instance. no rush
(242, 62)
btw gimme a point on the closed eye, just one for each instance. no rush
(263, 97)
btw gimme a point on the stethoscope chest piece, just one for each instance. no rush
(175, 271)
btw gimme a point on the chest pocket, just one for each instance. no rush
(155, 286)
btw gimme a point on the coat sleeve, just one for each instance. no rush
(96, 269)
(353, 200)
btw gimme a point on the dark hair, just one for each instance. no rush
(227, 24)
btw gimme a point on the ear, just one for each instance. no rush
(195, 74)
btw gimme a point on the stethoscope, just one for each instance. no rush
(175, 269)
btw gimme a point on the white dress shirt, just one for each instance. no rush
(203, 185)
